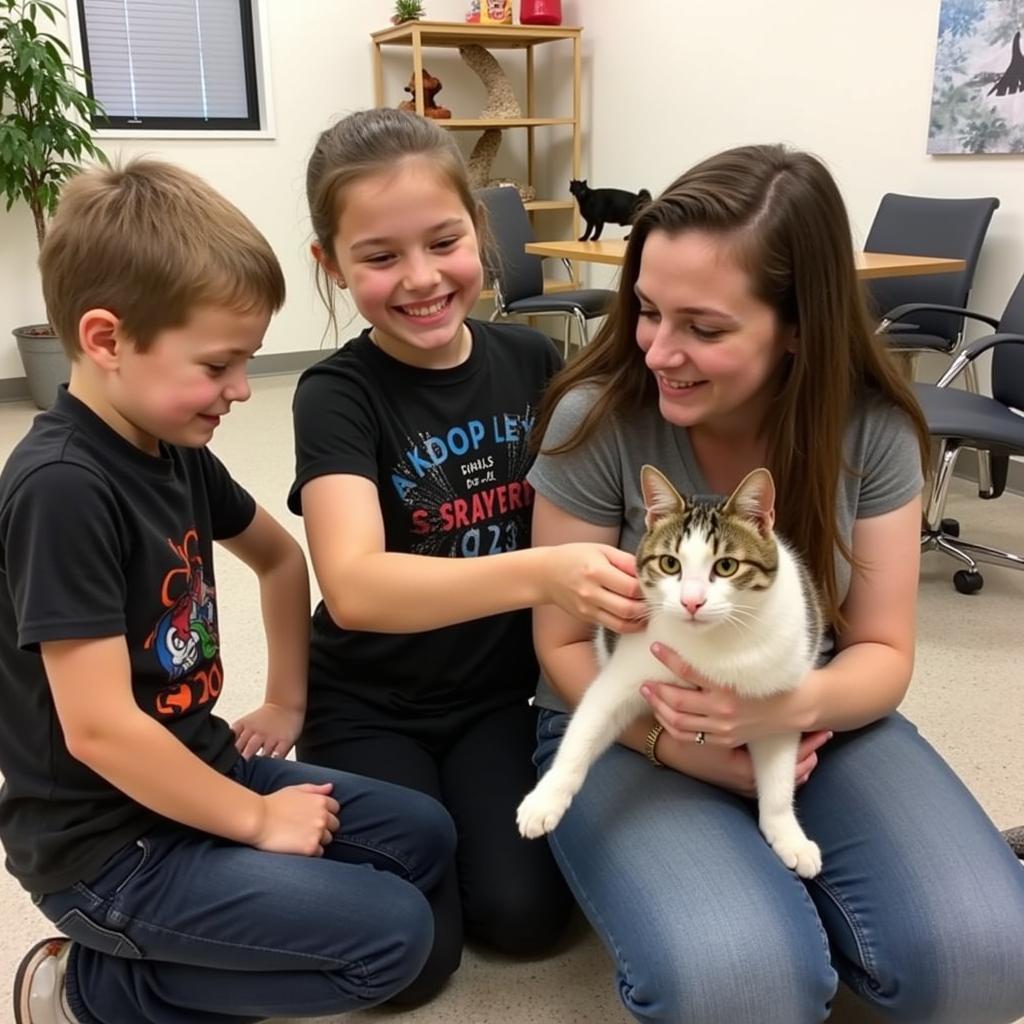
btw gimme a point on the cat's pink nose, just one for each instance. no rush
(694, 604)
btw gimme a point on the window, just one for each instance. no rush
(171, 64)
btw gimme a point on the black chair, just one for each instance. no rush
(960, 419)
(518, 276)
(926, 226)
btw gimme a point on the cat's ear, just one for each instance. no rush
(754, 500)
(660, 497)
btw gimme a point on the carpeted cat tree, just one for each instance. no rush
(501, 105)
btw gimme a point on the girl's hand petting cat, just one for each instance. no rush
(595, 583)
(270, 730)
(724, 717)
(733, 769)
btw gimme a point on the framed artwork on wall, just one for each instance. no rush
(978, 85)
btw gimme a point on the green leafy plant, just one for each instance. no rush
(407, 10)
(44, 117)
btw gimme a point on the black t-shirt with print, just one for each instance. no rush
(100, 539)
(449, 453)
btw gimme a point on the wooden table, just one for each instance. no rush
(869, 264)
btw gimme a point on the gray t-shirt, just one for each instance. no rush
(599, 482)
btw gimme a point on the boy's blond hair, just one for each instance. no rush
(151, 242)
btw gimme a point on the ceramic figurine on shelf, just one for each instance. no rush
(495, 12)
(431, 87)
(407, 10)
(473, 14)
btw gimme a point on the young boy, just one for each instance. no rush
(195, 880)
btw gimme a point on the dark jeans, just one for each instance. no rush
(182, 927)
(505, 891)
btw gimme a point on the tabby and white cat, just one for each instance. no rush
(734, 600)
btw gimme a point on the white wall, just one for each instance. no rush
(850, 82)
(664, 84)
(321, 68)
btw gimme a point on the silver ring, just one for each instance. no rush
(698, 737)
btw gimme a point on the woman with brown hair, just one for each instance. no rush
(739, 340)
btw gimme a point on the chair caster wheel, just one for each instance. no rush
(950, 527)
(968, 582)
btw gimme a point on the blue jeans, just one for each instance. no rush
(919, 908)
(182, 927)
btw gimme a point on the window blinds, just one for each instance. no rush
(163, 61)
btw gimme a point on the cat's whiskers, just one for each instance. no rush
(740, 616)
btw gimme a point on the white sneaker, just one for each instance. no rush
(39, 984)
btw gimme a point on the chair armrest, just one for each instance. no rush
(910, 342)
(975, 349)
(898, 312)
(891, 327)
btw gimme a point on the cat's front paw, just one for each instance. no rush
(794, 849)
(541, 810)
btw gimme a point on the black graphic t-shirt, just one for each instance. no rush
(99, 539)
(449, 453)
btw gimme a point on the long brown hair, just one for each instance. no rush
(782, 212)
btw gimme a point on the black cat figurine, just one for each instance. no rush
(606, 205)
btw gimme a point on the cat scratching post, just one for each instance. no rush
(501, 105)
(501, 100)
(482, 157)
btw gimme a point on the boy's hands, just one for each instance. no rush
(271, 730)
(298, 819)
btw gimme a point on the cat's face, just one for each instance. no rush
(577, 187)
(708, 563)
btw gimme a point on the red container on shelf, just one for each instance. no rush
(540, 12)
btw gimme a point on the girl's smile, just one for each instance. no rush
(408, 252)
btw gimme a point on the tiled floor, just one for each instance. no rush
(967, 697)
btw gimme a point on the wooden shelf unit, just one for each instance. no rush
(418, 35)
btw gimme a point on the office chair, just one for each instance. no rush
(926, 226)
(518, 277)
(960, 419)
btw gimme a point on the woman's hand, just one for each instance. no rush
(721, 716)
(595, 583)
(733, 769)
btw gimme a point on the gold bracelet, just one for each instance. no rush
(651, 742)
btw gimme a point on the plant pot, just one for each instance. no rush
(46, 364)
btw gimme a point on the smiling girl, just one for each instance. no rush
(412, 455)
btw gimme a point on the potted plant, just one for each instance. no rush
(44, 134)
(407, 10)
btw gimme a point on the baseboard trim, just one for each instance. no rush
(15, 389)
(967, 467)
